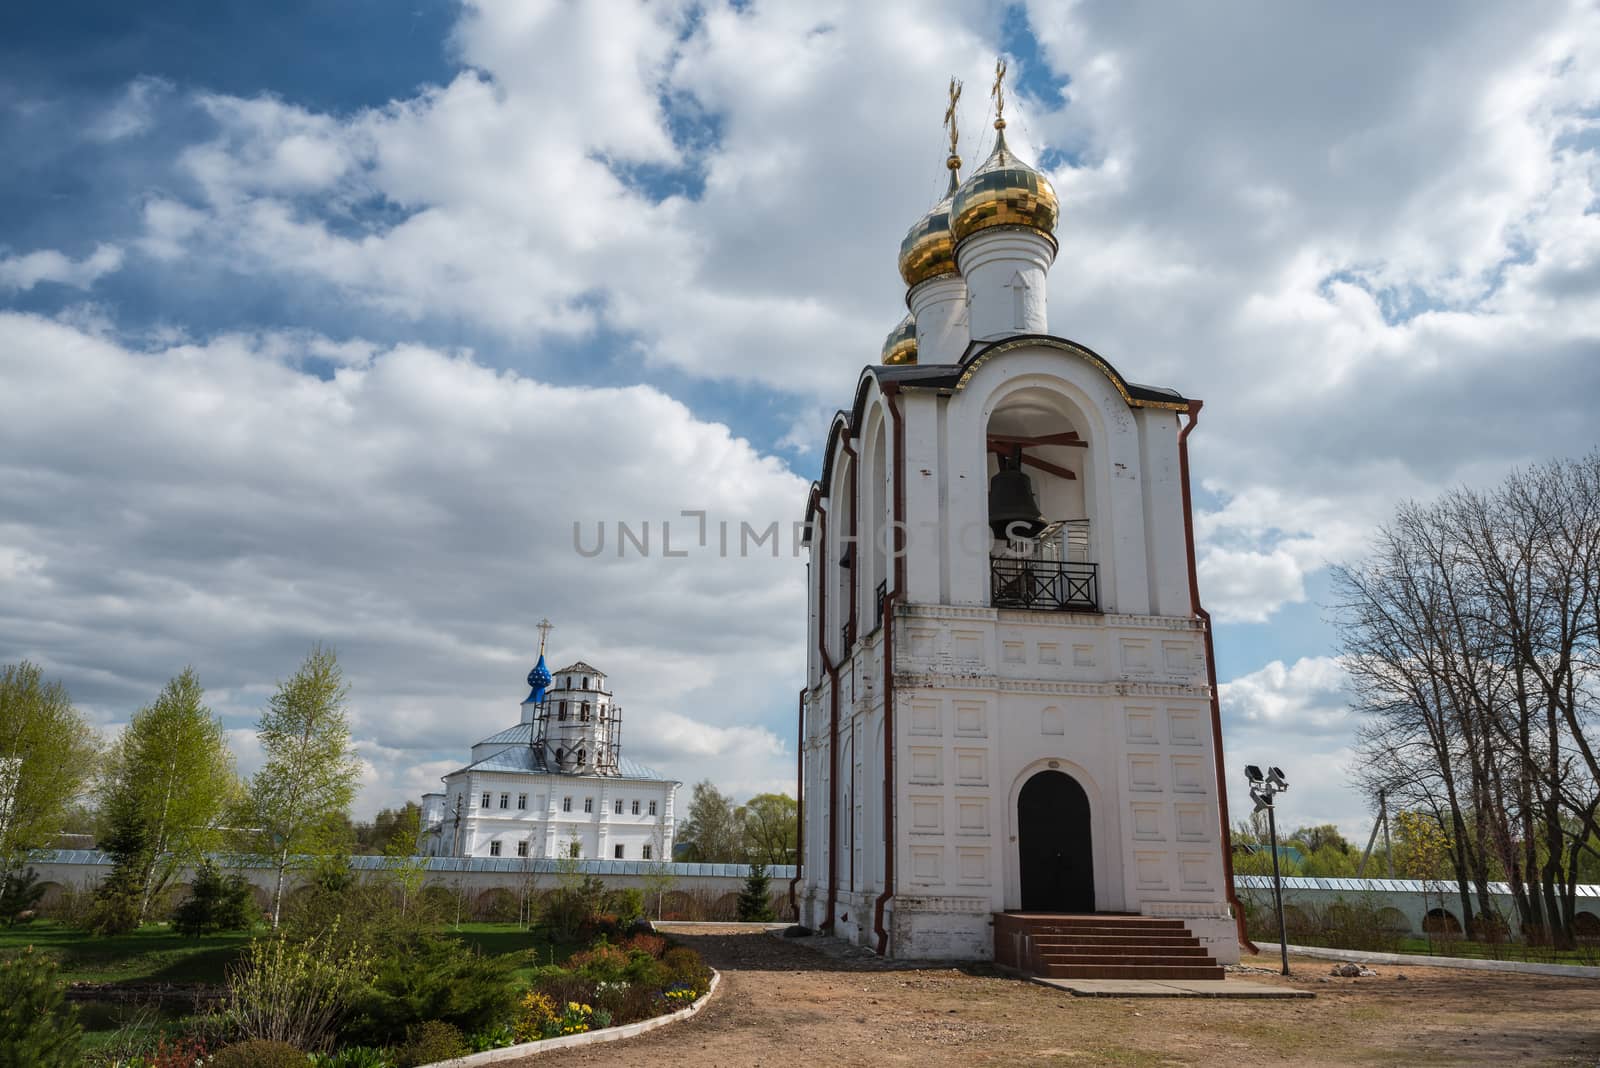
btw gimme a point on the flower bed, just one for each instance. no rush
(622, 987)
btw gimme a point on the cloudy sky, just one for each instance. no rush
(327, 321)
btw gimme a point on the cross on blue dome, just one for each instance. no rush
(539, 679)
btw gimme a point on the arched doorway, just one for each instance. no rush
(1055, 849)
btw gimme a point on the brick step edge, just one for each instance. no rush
(1195, 952)
(1115, 971)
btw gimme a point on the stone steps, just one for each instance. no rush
(1101, 947)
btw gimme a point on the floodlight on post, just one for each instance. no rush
(1262, 791)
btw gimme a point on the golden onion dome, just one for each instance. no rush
(1004, 192)
(901, 344)
(929, 250)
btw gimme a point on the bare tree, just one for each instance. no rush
(1470, 632)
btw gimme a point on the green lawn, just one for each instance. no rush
(1454, 947)
(152, 954)
(155, 954)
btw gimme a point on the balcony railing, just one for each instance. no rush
(878, 597)
(1045, 585)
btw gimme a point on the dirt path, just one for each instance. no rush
(784, 1003)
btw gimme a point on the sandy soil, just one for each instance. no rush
(788, 1002)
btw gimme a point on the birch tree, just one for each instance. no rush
(304, 790)
(172, 773)
(47, 754)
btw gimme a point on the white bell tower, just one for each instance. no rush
(994, 728)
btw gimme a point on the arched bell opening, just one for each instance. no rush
(1043, 552)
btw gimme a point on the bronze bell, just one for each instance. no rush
(1013, 510)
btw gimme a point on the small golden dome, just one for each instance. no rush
(901, 344)
(1004, 192)
(929, 250)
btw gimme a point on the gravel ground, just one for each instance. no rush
(785, 1002)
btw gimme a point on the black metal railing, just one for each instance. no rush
(878, 597)
(1048, 585)
(847, 635)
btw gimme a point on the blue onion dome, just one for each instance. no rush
(901, 344)
(929, 250)
(539, 679)
(1004, 192)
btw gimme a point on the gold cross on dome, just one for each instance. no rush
(999, 94)
(950, 117)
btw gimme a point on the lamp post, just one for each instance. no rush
(1263, 789)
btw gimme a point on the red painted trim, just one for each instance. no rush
(799, 802)
(1211, 676)
(833, 718)
(891, 392)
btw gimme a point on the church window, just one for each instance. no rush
(575, 850)
(588, 804)
(636, 808)
(561, 710)
(652, 808)
(646, 853)
(485, 800)
(580, 756)
(505, 800)
(585, 714)
(566, 804)
(522, 849)
(617, 852)
(616, 806)
(522, 802)
(586, 682)
(494, 848)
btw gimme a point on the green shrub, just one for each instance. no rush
(37, 1028)
(432, 978)
(214, 904)
(259, 1053)
(568, 909)
(603, 963)
(499, 1036)
(353, 1057)
(685, 968)
(294, 992)
(20, 892)
(628, 906)
(429, 1041)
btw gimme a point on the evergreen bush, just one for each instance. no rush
(37, 1028)
(431, 978)
(214, 904)
(20, 892)
(755, 900)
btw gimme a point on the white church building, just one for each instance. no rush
(1010, 712)
(555, 783)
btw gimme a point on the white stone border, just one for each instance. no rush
(588, 1038)
(1420, 960)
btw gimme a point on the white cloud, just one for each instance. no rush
(48, 265)
(212, 504)
(1370, 245)
(1297, 717)
(133, 113)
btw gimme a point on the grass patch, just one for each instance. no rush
(153, 954)
(1589, 954)
(157, 954)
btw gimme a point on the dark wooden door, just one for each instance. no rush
(1054, 845)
